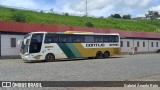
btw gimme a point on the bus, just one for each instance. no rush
(50, 46)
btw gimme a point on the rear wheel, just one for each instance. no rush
(50, 57)
(106, 54)
(99, 55)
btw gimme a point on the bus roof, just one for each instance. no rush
(97, 33)
(80, 33)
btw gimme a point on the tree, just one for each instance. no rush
(41, 11)
(66, 14)
(116, 16)
(89, 24)
(153, 15)
(101, 17)
(51, 10)
(126, 16)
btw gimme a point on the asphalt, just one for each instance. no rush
(117, 68)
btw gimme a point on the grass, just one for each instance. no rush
(6, 14)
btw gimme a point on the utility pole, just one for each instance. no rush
(86, 9)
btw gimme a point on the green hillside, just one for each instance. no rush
(9, 14)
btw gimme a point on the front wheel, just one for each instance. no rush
(50, 57)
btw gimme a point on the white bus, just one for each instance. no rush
(59, 45)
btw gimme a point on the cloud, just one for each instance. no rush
(91, 4)
(95, 7)
(105, 7)
(19, 3)
(79, 5)
(155, 8)
(136, 3)
(29, 4)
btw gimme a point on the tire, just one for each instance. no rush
(99, 55)
(106, 54)
(50, 57)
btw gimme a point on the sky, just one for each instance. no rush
(136, 8)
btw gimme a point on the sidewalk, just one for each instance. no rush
(151, 78)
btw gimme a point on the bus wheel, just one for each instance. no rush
(50, 57)
(106, 54)
(99, 55)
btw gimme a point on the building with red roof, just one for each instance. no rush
(11, 32)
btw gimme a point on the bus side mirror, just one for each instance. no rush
(19, 42)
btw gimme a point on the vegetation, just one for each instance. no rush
(153, 15)
(126, 17)
(89, 24)
(16, 15)
(116, 16)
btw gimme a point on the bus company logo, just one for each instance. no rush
(6, 84)
(95, 45)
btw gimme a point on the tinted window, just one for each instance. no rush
(111, 38)
(36, 43)
(89, 39)
(98, 38)
(51, 38)
(64, 38)
(157, 44)
(77, 38)
(115, 38)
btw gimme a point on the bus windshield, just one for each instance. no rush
(25, 44)
(36, 43)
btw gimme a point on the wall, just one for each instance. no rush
(133, 42)
(154, 48)
(125, 48)
(141, 48)
(6, 48)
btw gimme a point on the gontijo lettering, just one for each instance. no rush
(95, 45)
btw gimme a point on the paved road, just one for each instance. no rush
(124, 67)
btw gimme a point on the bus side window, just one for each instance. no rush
(89, 39)
(51, 38)
(115, 38)
(65, 38)
(106, 38)
(77, 38)
(98, 38)
(111, 38)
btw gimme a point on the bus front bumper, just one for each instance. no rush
(29, 58)
(25, 58)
